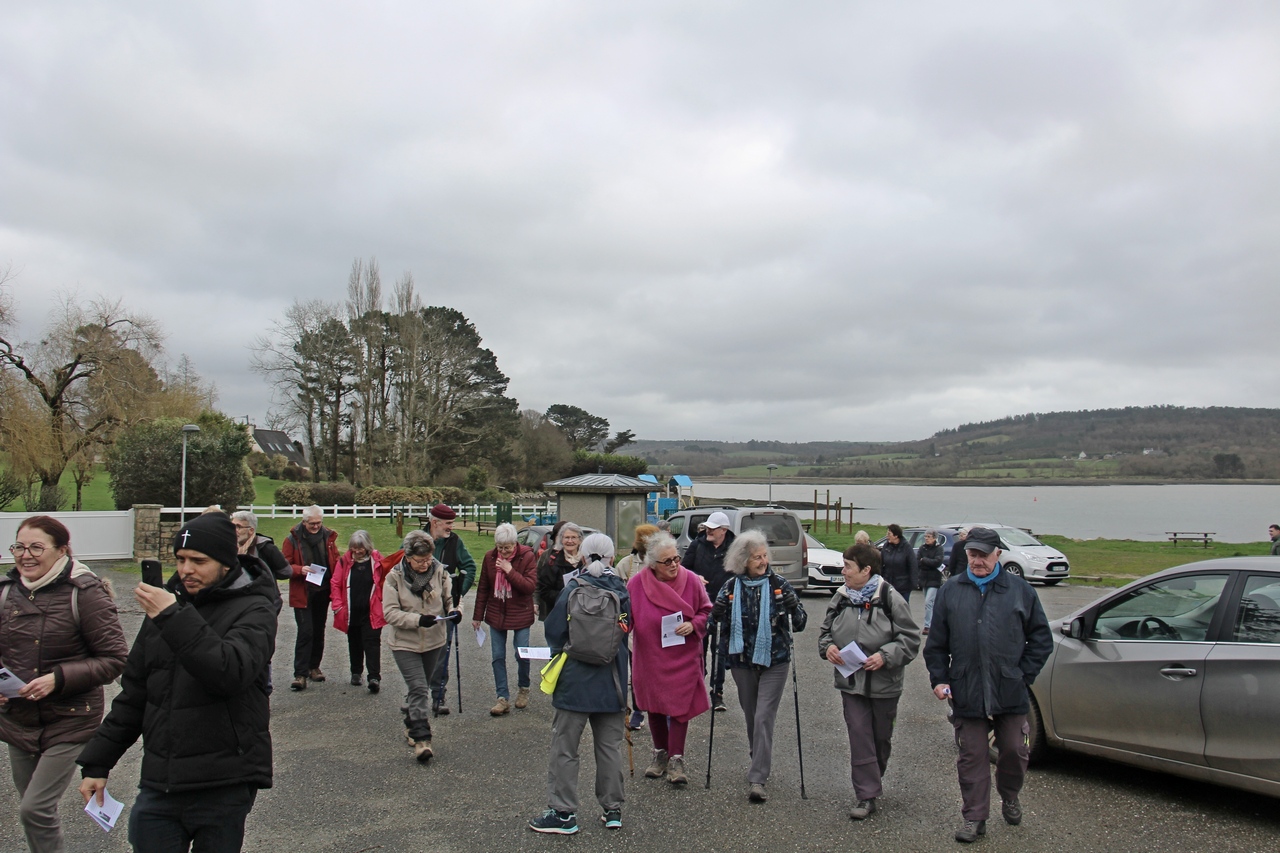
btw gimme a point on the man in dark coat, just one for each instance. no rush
(194, 688)
(1274, 531)
(705, 558)
(988, 642)
(310, 544)
(461, 567)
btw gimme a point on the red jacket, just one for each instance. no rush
(340, 587)
(292, 550)
(517, 611)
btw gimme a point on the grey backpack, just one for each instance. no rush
(595, 626)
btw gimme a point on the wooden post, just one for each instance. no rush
(850, 518)
(839, 514)
(400, 524)
(815, 511)
(828, 511)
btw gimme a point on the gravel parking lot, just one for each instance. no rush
(345, 780)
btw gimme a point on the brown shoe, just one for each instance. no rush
(316, 675)
(522, 698)
(675, 771)
(299, 683)
(658, 767)
(422, 751)
(500, 707)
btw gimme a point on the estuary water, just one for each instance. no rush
(1232, 513)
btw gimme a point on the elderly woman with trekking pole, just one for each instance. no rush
(667, 660)
(757, 611)
(870, 637)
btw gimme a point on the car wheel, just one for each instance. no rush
(1012, 568)
(1053, 583)
(1038, 747)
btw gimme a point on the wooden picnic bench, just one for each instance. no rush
(1176, 536)
(486, 527)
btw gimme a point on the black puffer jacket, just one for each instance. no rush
(988, 648)
(195, 689)
(899, 566)
(707, 561)
(930, 559)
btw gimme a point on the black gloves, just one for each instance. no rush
(426, 620)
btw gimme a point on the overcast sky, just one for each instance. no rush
(793, 221)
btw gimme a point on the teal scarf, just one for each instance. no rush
(762, 653)
(982, 582)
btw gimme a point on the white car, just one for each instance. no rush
(1025, 555)
(825, 566)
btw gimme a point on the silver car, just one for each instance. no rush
(1178, 672)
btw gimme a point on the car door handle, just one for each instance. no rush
(1177, 673)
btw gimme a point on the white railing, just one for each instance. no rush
(95, 535)
(469, 512)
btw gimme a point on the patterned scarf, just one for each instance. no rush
(863, 597)
(501, 586)
(419, 582)
(762, 653)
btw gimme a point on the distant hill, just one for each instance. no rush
(1157, 442)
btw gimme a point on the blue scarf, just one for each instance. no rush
(982, 582)
(863, 597)
(762, 653)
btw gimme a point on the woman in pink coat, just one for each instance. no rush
(668, 681)
(356, 591)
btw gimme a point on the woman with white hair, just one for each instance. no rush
(357, 606)
(504, 601)
(758, 611)
(564, 556)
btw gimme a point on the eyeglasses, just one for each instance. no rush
(35, 549)
(670, 561)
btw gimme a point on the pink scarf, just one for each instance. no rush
(501, 586)
(666, 596)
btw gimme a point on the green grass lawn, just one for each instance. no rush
(96, 494)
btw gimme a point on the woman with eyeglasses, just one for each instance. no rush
(504, 600)
(667, 672)
(415, 601)
(59, 634)
(356, 593)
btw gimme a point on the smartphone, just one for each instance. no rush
(152, 573)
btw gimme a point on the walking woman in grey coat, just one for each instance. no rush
(758, 611)
(868, 611)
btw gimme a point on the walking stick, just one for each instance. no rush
(457, 659)
(795, 691)
(711, 741)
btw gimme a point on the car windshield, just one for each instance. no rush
(778, 529)
(1015, 538)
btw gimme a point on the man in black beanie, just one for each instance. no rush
(195, 689)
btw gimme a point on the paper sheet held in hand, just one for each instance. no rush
(853, 659)
(669, 625)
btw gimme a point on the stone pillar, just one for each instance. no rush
(146, 531)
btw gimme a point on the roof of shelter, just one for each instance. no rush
(600, 483)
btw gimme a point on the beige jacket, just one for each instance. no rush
(401, 608)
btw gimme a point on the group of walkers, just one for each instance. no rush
(635, 637)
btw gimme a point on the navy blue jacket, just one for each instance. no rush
(989, 648)
(582, 687)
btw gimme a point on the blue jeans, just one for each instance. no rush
(498, 643)
(929, 595)
(211, 819)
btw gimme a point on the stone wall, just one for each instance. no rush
(152, 538)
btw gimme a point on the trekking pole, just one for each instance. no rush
(795, 691)
(457, 659)
(711, 741)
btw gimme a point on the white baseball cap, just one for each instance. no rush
(717, 519)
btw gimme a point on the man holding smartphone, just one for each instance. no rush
(194, 688)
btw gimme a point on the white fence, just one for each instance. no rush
(94, 535)
(467, 512)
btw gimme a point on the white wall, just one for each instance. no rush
(94, 535)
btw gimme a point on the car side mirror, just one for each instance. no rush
(1074, 629)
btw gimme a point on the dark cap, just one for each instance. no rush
(213, 535)
(443, 512)
(982, 539)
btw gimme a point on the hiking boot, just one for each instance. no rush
(316, 675)
(1012, 811)
(438, 708)
(757, 794)
(355, 679)
(500, 707)
(557, 823)
(658, 767)
(612, 819)
(522, 699)
(636, 723)
(675, 771)
(374, 684)
(863, 809)
(422, 751)
(299, 683)
(717, 701)
(970, 830)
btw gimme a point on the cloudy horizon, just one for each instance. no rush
(725, 221)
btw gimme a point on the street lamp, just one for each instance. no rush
(772, 467)
(186, 430)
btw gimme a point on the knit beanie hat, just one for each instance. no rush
(211, 534)
(443, 512)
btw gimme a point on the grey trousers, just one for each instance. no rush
(562, 771)
(870, 725)
(417, 669)
(973, 764)
(41, 779)
(759, 693)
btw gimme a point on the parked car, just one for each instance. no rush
(824, 567)
(788, 549)
(1178, 672)
(538, 536)
(1022, 554)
